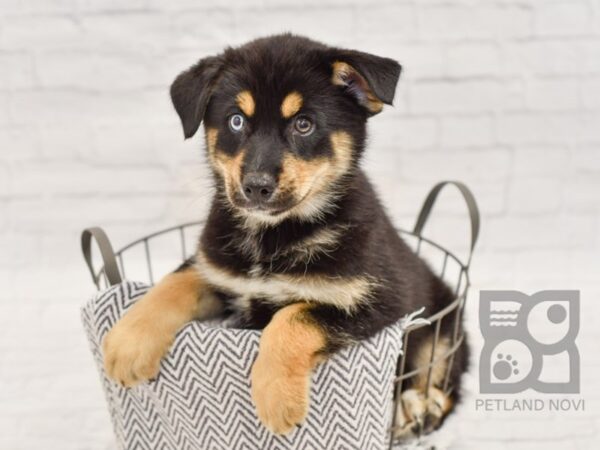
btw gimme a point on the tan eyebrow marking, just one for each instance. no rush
(291, 104)
(246, 102)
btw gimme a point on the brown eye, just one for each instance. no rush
(303, 125)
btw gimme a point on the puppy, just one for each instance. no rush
(296, 242)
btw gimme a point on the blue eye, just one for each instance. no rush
(236, 123)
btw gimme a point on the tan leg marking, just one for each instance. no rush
(289, 350)
(417, 415)
(245, 101)
(291, 104)
(134, 347)
(423, 357)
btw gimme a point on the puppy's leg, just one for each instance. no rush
(135, 346)
(420, 414)
(423, 410)
(290, 347)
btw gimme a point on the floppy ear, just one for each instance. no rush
(370, 79)
(191, 90)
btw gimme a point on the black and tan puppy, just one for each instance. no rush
(296, 241)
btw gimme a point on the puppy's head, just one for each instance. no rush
(284, 119)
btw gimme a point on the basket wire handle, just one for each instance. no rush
(471, 205)
(110, 268)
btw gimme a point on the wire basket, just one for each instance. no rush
(158, 253)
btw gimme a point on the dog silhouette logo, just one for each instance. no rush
(529, 342)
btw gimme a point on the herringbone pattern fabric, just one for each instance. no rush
(201, 399)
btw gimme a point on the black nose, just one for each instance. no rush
(258, 187)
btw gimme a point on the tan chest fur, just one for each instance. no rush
(344, 293)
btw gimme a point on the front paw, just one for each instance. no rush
(281, 398)
(133, 350)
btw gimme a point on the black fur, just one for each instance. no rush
(369, 246)
(191, 90)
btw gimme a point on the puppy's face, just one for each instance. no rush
(284, 119)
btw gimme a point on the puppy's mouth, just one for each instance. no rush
(272, 208)
(276, 205)
(262, 211)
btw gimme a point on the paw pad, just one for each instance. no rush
(505, 366)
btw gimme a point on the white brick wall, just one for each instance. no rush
(503, 94)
